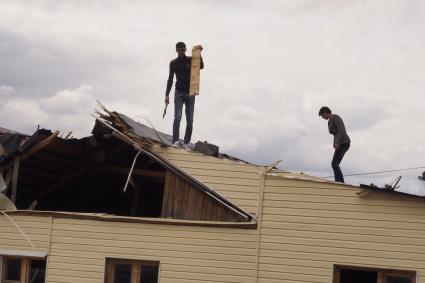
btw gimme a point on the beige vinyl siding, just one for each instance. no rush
(186, 253)
(36, 228)
(309, 226)
(236, 181)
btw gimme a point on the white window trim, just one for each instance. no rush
(34, 254)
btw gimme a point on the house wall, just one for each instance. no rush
(309, 226)
(36, 228)
(187, 253)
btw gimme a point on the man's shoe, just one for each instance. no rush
(187, 147)
(176, 144)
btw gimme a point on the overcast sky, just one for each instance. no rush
(269, 67)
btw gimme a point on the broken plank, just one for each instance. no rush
(39, 146)
(16, 165)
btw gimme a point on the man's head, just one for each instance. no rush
(181, 49)
(325, 112)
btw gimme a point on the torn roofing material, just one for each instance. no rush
(151, 134)
(13, 142)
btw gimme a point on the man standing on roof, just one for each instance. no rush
(181, 67)
(341, 140)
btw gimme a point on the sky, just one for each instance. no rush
(269, 67)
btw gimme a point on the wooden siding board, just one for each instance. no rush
(275, 228)
(97, 232)
(348, 207)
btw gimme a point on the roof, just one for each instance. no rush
(233, 182)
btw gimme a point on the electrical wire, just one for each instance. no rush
(380, 172)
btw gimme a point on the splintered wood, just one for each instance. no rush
(114, 120)
(195, 70)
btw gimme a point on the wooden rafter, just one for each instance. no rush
(125, 170)
(16, 165)
(34, 149)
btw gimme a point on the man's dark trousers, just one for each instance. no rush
(180, 98)
(336, 160)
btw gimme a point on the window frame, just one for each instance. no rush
(382, 273)
(25, 267)
(136, 264)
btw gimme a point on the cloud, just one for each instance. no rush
(66, 110)
(268, 69)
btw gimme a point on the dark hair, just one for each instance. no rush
(324, 110)
(180, 45)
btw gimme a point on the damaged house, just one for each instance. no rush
(122, 206)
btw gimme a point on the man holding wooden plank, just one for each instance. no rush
(186, 87)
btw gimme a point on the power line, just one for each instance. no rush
(380, 172)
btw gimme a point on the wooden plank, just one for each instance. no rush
(180, 199)
(204, 209)
(195, 70)
(198, 202)
(185, 197)
(171, 195)
(165, 194)
(214, 209)
(34, 149)
(176, 200)
(190, 204)
(15, 175)
(221, 214)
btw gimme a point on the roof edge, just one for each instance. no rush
(128, 219)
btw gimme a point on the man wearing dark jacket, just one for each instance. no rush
(180, 66)
(341, 140)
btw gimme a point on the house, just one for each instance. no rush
(122, 206)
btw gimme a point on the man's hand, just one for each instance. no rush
(336, 146)
(167, 99)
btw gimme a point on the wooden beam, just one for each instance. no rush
(16, 165)
(34, 149)
(8, 177)
(137, 172)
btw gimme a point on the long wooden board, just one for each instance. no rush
(195, 70)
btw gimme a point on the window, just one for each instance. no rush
(131, 271)
(22, 270)
(351, 274)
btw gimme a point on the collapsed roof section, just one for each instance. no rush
(50, 173)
